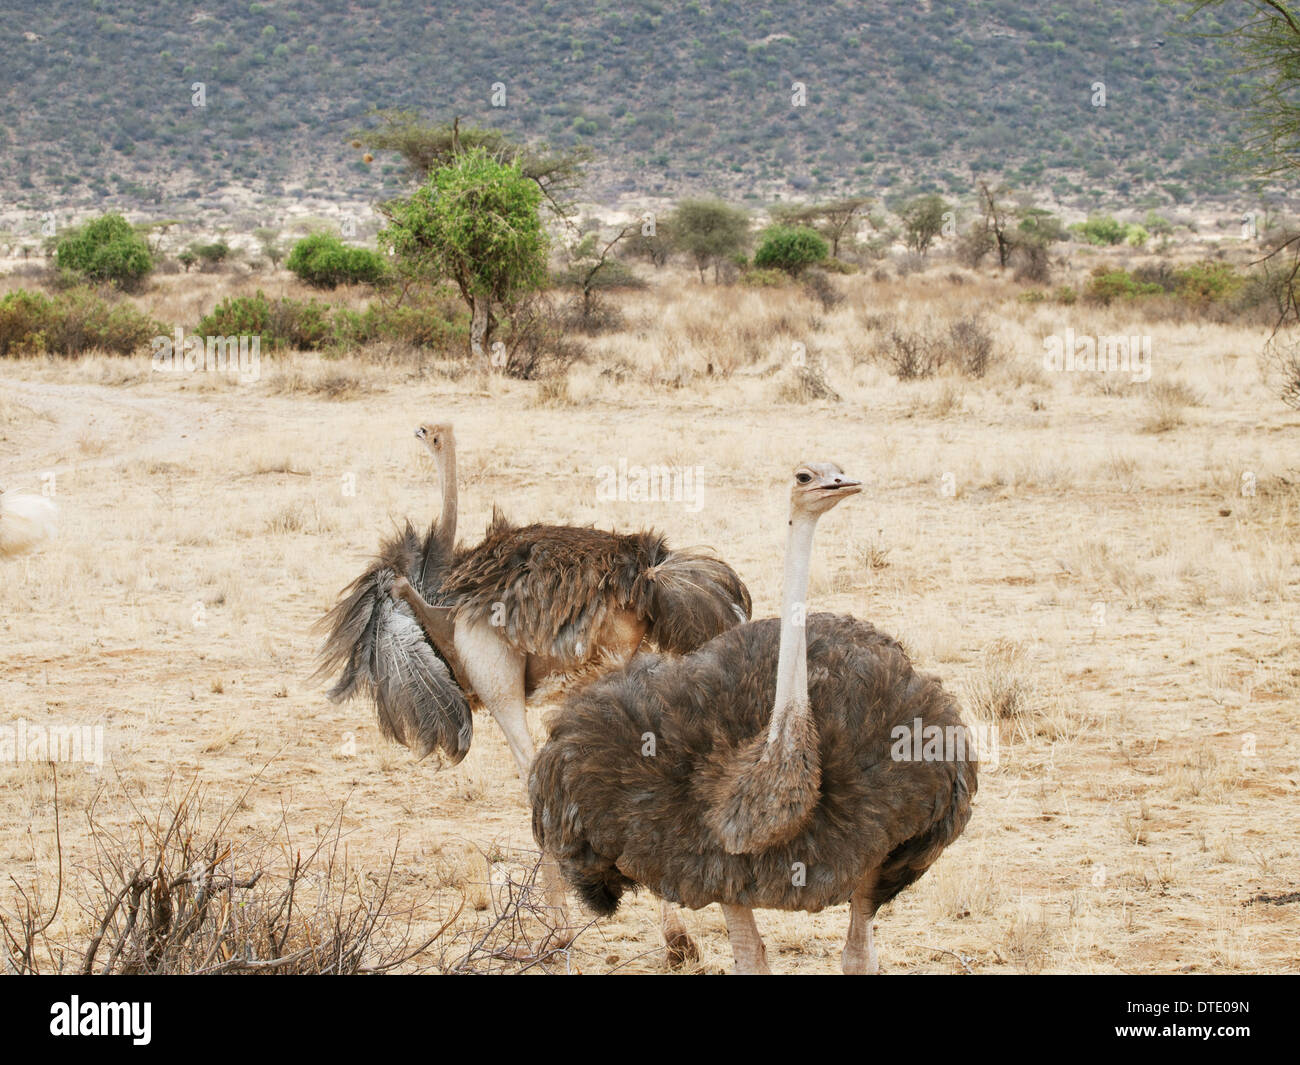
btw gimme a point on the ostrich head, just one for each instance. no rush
(818, 486)
(437, 438)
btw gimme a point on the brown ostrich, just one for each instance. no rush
(527, 605)
(777, 767)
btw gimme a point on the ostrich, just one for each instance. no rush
(527, 605)
(25, 521)
(772, 768)
(378, 648)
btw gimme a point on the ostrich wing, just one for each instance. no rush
(379, 650)
(548, 588)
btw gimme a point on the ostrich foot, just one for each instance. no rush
(682, 950)
(681, 947)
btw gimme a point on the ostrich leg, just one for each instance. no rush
(746, 944)
(859, 955)
(681, 947)
(496, 672)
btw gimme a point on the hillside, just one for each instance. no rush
(96, 97)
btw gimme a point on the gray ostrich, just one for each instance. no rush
(782, 773)
(430, 631)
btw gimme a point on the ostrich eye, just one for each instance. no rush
(803, 478)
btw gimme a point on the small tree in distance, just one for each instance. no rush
(789, 248)
(709, 231)
(833, 220)
(106, 249)
(475, 221)
(923, 221)
(427, 147)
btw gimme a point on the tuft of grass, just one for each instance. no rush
(999, 689)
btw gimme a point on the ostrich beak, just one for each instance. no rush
(846, 485)
(420, 433)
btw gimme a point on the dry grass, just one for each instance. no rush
(1115, 604)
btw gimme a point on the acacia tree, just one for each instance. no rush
(709, 231)
(474, 221)
(591, 265)
(923, 221)
(426, 147)
(832, 219)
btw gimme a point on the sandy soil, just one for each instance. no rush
(1109, 588)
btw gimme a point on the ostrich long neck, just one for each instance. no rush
(447, 473)
(792, 659)
(765, 793)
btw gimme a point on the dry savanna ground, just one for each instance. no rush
(1105, 571)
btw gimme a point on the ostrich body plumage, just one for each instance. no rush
(628, 789)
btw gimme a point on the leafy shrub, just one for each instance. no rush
(1200, 286)
(280, 323)
(70, 323)
(1208, 282)
(106, 249)
(764, 278)
(1106, 286)
(325, 261)
(436, 324)
(1101, 230)
(790, 248)
(1136, 236)
(210, 255)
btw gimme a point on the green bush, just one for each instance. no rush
(790, 248)
(1101, 230)
(764, 278)
(1199, 286)
(436, 324)
(281, 323)
(211, 255)
(1106, 286)
(71, 323)
(1208, 282)
(326, 262)
(106, 249)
